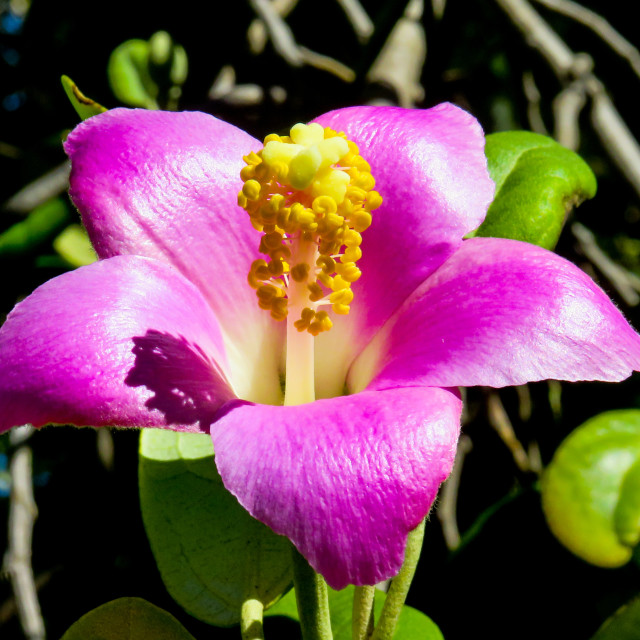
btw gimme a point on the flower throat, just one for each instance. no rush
(311, 194)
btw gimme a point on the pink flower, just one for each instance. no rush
(164, 331)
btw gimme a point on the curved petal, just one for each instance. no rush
(431, 171)
(165, 185)
(123, 342)
(348, 478)
(502, 312)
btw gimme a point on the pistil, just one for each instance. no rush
(299, 385)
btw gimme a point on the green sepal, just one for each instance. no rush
(538, 182)
(128, 73)
(85, 107)
(149, 73)
(212, 555)
(412, 624)
(127, 619)
(624, 624)
(590, 489)
(38, 228)
(74, 246)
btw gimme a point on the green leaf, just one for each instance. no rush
(74, 246)
(127, 619)
(38, 228)
(624, 624)
(590, 490)
(128, 73)
(85, 107)
(412, 625)
(538, 182)
(211, 553)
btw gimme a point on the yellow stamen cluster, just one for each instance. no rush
(311, 194)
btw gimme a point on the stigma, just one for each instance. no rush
(311, 195)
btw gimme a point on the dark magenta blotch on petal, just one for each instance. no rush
(126, 342)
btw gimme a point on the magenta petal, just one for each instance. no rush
(430, 168)
(431, 171)
(123, 342)
(501, 312)
(165, 185)
(344, 479)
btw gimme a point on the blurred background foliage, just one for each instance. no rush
(490, 564)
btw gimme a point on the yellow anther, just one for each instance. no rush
(341, 309)
(248, 172)
(374, 200)
(279, 309)
(361, 221)
(356, 194)
(325, 279)
(352, 238)
(306, 317)
(361, 164)
(321, 323)
(344, 296)
(323, 205)
(365, 181)
(251, 189)
(300, 272)
(276, 267)
(352, 254)
(309, 193)
(272, 137)
(349, 271)
(315, 292)
(339, 283)
(326, 263)
(252, 158)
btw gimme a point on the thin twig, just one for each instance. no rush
(614, 134)
(39, 191)
(400, 62)
(619, 142)
(598, 25)
(534, 113)
(448, 502)
(567, 106)
(22, 515)
(327, 63)
(627, 284)
(358, 17)
(499, 420)
(257, 32)
(279, 31)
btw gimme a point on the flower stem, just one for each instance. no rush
(312, 599)
(362, 620)
(400, 587)
(251, 619)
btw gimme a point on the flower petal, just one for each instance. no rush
(430, 168)
(164, 185)
(123, 342)
(501, 312)
(344, 479)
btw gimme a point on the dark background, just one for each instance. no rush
(512, 579)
